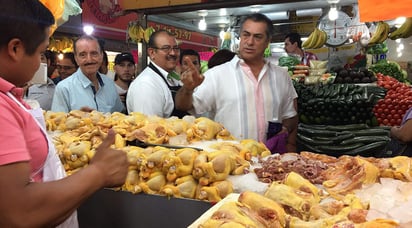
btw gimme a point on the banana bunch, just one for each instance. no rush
(315, 40)
(64, 44)
(404, 31)
(135, 32)
(381, 33)
(147, 33)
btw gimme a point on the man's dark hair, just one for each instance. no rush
(152, 42)
(293, 38)
(220, 57)
(86, 37)
(51, 56)
(70, 56)
(26, 20)
(185, 52)
(258, 17)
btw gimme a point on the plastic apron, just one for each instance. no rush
(52, 168)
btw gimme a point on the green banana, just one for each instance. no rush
(403, 31)
(377, 36)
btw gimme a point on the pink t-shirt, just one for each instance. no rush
(21, 139)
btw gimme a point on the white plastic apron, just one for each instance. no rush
(52, 167)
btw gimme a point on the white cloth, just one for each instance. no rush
(149, 94)
(234, 97)
(43, 93)
(52, 167)
(120, 90)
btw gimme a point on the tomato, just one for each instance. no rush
(389, 116)
(385, 121)
(392, 122)
(393, 111)
(396, 116)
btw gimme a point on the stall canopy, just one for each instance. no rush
(372, 10)
(142, 4)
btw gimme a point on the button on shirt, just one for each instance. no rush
(77, 91)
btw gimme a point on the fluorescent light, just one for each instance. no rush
(202, 24)
(278, 15)
(309, 12)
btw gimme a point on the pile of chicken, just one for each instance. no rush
(294, 202)
(185, 172)
(337, 200)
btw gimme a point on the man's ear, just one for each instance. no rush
(15, 48)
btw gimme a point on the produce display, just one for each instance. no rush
(187, 172)
(337, 104)
(390, 68)
(354, 76)
(347, 197)
(351, 139)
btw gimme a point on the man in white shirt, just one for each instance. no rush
(152, 92)
(247, 92)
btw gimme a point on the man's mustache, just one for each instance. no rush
(89, 64)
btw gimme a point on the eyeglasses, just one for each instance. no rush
(168, 49)
(60, 67)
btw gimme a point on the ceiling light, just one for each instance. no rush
(202, 24)
(333, 12)
(399, 21)
(255, 8)
(309, 12)
(278, 15)
(88, 29)
(222, 12)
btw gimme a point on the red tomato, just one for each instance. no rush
(396, 116)
(385, 121)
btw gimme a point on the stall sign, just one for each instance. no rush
(372, 10)
(186, 35)
(107, 17)
(144, 4)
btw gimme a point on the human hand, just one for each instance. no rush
(112, 164)
(86, 109)
(123, 97)
(191, 76)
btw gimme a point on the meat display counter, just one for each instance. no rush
(109, 208)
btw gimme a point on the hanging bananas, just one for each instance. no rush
(147, 33)
(404, 31)
(315, 40)
(136, 33)
(381, 33)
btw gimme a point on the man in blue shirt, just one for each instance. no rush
(87, 89)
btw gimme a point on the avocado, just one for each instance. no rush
(347, 79)
(366, 80)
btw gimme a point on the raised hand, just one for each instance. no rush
(191, 77)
